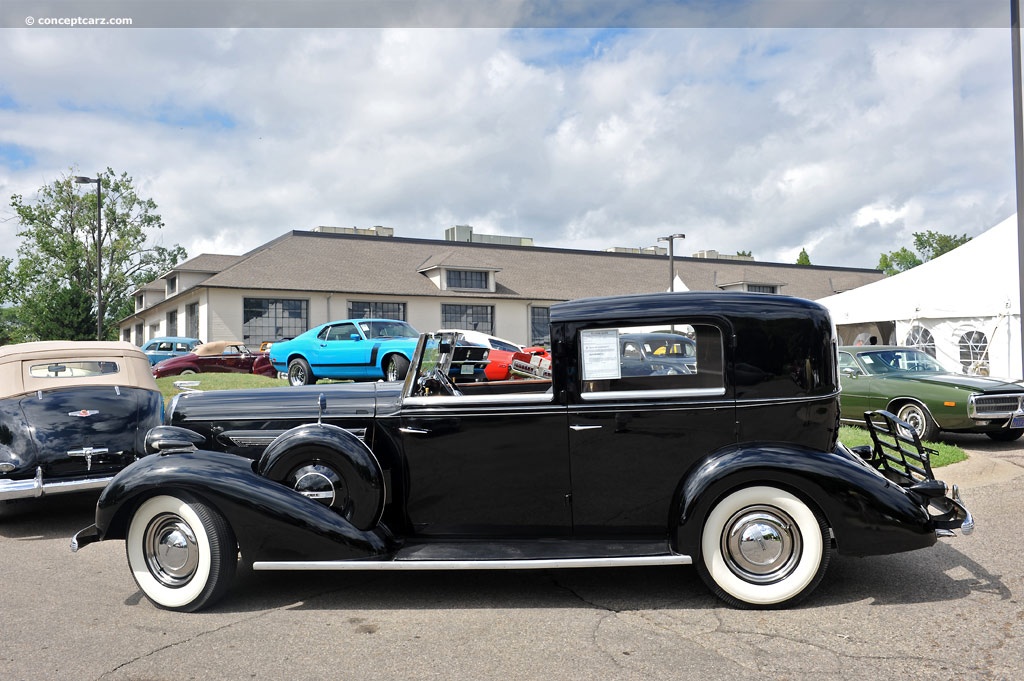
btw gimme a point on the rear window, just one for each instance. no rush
(74, 369)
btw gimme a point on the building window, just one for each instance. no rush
(974, 352)
(467, 279)
(172, 285)
(192, 320)
(361, 309)
(172, 323)
(921, 338)
(472, 317)
(154, 330)
(271, 319)
(126, 334)
(140, 302)
(139, 336)
(762, 288)
(540, 326)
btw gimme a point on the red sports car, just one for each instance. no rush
(509, 360)
(217, 357)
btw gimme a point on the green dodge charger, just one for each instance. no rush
(913, 385)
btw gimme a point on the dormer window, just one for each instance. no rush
(467, 279)
(172, 285)
(140, 302)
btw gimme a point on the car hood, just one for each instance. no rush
(981, 384)
(359, 400)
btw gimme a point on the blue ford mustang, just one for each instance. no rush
(357, 349)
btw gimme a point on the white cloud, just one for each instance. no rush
(843, 142)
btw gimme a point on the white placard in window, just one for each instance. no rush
(600, 349)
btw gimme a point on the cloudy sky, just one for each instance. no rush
(766, 135)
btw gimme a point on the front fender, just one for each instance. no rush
(270, 521)
(868, 514)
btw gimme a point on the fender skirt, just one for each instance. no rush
(868, 514)
(271, 522)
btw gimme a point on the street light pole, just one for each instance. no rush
(671, 238)
(99, 250)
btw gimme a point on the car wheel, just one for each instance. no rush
(182, 553)
(1008, 435)
(919, 418)
(762, 547)
(396, 369)
(186, 372)
(299, 373)
(329, 477)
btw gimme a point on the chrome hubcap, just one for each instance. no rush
(316, 485)
(171, 550)
(761, 544)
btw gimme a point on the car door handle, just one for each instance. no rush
(584, 427)
(414, 431)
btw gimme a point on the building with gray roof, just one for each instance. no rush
(305, 278)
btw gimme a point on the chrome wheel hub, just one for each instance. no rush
(171, 550)
(761, 544)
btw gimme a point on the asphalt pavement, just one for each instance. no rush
(952, 611)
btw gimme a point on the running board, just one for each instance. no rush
(513, 555)
(516, 564)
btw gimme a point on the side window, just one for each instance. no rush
(339, 332)
(681, 359)
(846, 361)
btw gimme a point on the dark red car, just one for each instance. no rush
(217, 357)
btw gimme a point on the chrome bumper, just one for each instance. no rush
(37, 487)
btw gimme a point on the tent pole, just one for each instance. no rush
(1018, 146)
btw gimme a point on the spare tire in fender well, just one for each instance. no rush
(340, 450)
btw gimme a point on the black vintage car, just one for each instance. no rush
(72, 414)
(733, 466)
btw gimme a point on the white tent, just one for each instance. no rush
(963, 306)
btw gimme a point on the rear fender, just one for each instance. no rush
(868, 514)
(270, 521)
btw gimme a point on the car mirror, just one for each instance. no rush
(354, 336)
(849, 372)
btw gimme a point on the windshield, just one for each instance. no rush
(388, 329)
(900, 361)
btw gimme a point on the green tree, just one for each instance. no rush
(803, 258)
(929, 245)
(11, 328)
(745, 254)
(56, 267)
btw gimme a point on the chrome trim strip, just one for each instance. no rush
(467, 400)
(534, 564)
(652, 394)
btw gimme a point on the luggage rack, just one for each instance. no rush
(897, 449)
(900, 456)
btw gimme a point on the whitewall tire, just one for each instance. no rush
(762, 547)
(182, 553)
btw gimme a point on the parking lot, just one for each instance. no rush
(949, 612)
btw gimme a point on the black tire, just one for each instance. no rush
(1007, 435)
(330, 477)
(182, 552)
(395, 368)
(744, 570)
(299, 372)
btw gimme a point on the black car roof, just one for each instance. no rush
(657, 305)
